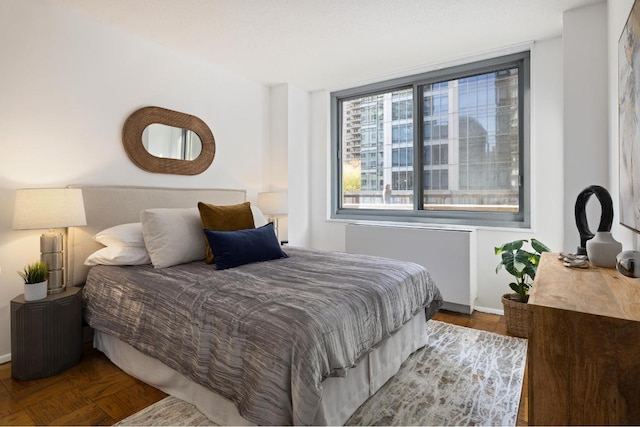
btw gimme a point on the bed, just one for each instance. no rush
(304, 339)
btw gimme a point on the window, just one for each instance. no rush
(469, 128)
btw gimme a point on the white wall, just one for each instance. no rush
(67, 84)
(325, 234)
(288, 159)
(299, 164)
(276, 157)
(586, 125)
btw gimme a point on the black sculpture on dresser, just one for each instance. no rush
(601, 248)
(606, 218)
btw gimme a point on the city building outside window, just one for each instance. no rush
(449, 146)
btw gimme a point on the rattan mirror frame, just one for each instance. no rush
(132, 141)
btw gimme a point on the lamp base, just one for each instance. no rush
(51, 245)
(56, 291)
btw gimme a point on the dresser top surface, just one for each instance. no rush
(594, 290)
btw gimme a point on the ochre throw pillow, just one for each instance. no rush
(224, 218)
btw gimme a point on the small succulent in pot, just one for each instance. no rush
(521, 264)
(34, 273)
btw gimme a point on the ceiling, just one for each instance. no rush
(331, 44)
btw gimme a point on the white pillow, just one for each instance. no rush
(121, 235)
(258, 217)
(119, 255)
(173, 236)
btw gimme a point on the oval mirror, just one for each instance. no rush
(165, 141)
(169, 142)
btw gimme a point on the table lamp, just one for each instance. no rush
(274, 204)
(50, 208)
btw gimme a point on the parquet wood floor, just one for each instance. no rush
(96, 392)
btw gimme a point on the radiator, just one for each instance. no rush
(449, 255)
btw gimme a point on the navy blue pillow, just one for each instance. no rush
(234, 248)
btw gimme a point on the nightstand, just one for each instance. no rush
(46, 335)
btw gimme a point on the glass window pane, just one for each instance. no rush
(484, 177)
(376, 133)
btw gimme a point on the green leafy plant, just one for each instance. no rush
(521, 264)
(34, 273)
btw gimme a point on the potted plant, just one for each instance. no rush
(35, 281)
(522, 264)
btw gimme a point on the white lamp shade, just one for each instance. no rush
(48, 208)
(274, 202)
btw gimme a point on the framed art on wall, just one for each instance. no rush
(629, 120)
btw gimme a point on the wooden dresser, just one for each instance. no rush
(584, 346)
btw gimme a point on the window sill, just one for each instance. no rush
(430, 225)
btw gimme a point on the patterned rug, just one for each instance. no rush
(461, 377)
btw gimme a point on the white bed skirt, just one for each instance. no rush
(340, 396)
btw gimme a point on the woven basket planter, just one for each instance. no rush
(516, 315)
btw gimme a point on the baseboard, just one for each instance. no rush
(458, 308)
(489, 310)
(5, 358)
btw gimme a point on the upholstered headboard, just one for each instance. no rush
(106, 206)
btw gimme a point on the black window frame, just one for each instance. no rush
(520, 219)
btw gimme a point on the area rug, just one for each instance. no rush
(461, 377)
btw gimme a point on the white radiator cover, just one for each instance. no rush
(449, 255)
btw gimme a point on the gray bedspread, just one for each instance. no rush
(263, 335)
